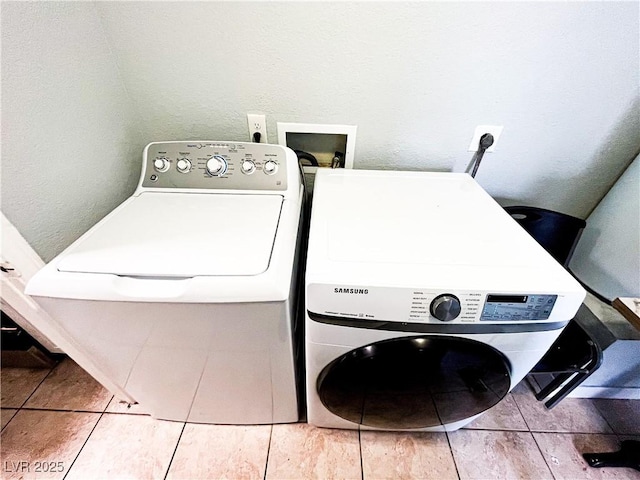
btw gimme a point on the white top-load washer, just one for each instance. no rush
(425, 301)
(184, 296)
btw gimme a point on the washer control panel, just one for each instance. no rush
(215, 165)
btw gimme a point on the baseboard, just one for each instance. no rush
(606, 392)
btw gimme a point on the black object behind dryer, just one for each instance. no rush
(576, 353)
(557, 232)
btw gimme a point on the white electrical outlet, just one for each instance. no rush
(494, 130)
(257, 124)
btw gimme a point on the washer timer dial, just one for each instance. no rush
(216, 165)
(445, 307)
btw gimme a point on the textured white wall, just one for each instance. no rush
(70, 143)
(415, 77)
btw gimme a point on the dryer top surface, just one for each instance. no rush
(180, 235)
(419, 229)
(416, 217)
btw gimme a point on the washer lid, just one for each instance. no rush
(180, 235)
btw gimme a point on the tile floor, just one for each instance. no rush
(62, 424)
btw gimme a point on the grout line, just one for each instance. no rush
(83, 445)
(487, 429)
(14, 414)
(184, 425)
(577, 433)
(132, 414)
(566, 431)
(542, 453)
(361, 459)
(540, 431)
(455, 464)
(266, 462)
(67, 410)
(515, 400)
(572, 432)
(38, 386)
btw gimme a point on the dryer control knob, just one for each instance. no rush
(445, 307)
(161, 164)
(216, 165)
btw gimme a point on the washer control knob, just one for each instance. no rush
(216, 165)
(445, 307)
(183, 165)
(161, 164)
(270, 167)
(248, 167)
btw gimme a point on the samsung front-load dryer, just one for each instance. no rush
(184, 296)
(425, 302)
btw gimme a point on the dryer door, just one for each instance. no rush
(414, 382)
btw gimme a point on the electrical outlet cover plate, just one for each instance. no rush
(495, 130)
(257, 123)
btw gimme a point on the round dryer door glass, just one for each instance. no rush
(414, 382)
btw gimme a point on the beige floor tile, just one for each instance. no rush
(117, 406)
(127, 446)
(503, 416)
(572, 415)
(563, 453)
(398, 455)
(221, 452)
(42, 444)
(69, 387)
(481, 454)
(18, 384)
(301, 450)
(6, 414)
(622, 415)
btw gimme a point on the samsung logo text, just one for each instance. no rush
(353, 291)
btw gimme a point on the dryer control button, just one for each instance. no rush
(445, 307)
(270, 167)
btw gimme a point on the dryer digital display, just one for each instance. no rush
(517, 307)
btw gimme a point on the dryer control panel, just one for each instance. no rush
(434, 306)
(215, 165)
